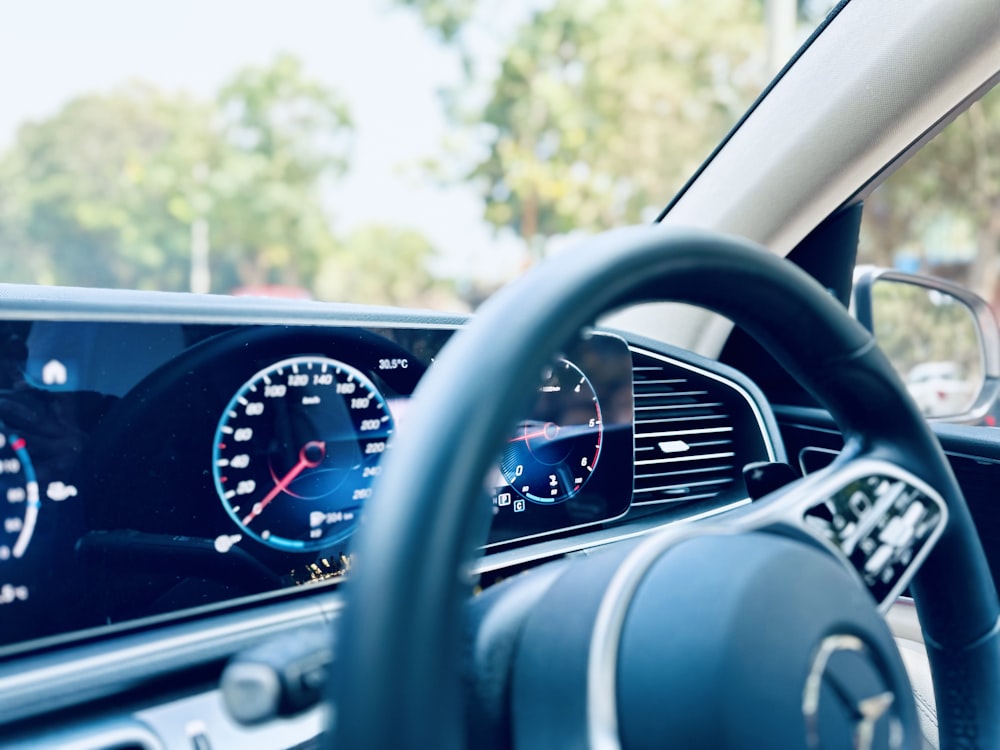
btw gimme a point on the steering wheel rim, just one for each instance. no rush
(396, 683)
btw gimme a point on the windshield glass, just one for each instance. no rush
(417, 152)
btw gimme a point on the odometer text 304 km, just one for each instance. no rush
(296, 452)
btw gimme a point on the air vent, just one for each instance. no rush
(691, 438)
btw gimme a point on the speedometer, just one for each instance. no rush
(18, 497)
(297, 449)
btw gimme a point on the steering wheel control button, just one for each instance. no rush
(884, 525)
(875, 564)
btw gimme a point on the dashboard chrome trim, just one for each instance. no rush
(201, 721)
(62, 678)
(96, 672)
(555, 548)
(121, 305)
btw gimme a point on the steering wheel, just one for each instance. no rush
(752, 630)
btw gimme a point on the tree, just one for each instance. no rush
(288, 135)
(384, 266)
(106, 191)
(445, 17)
(601, 110)
(92, 192)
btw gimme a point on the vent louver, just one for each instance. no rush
(689, 433)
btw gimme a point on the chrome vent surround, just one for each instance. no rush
(694, 432)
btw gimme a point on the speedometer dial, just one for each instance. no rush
(18, 497)
(297, 449)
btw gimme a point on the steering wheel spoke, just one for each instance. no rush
(878, 518)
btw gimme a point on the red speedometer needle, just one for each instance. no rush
(310, 456)
(529, 436)
(549, 431)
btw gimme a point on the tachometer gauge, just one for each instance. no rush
(551, 455)
(297, 449)
(18, 497)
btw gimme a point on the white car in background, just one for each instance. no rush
(939, 388)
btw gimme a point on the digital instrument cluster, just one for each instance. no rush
(148, 469)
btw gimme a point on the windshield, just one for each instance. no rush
(417, 152)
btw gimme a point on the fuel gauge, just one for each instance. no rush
(19, 499)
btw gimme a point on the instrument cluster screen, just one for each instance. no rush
(152, 469)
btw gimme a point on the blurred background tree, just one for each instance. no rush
(567, 116)
(444, 17)
(597, 112)
(118, 189)
(287, 136)
(97, 187)
(110, 188)
(386, 264)
(601, 110)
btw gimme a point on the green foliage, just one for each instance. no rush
(444, 17)
(285, 135)
(93, 192)
(105, 192)
(383, 265)
(600, 110)
(447, 18)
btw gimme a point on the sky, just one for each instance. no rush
(383, 62)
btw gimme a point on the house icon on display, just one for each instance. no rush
(54, 373)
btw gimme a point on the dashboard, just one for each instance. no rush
(167, 458)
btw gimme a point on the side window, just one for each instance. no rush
(939, 215)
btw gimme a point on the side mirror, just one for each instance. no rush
(942, 339)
